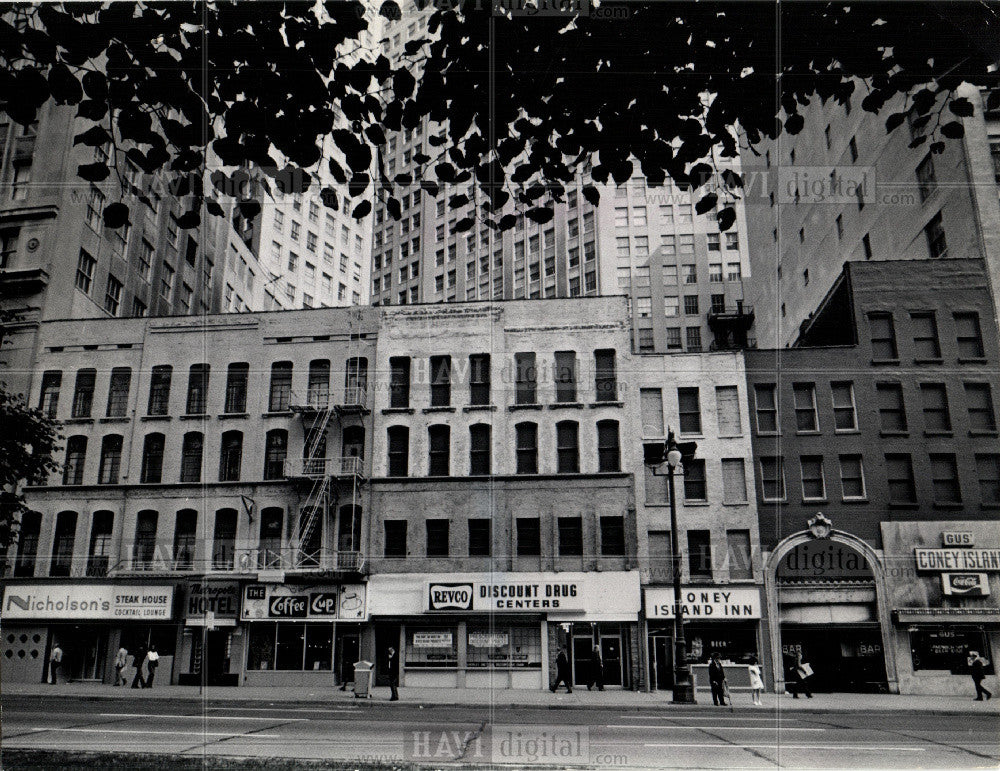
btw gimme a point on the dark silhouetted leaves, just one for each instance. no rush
(95, 136)
(213, 208)
(65, 88)
(362, 210)
(962, 107)
(706, 203)
(591, 195)
(953, 130)
(249, 208)
(726, 218)
(795, 123)
(93, 172)
(894, 121)
(115, 215)
(390, 9)
(330, 199)
(393, 207)
(464, 224)
(539, 214)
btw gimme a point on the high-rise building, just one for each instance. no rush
(844, 189)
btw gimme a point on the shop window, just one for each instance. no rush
(689, 410)
(224, 540)
(948, 649)
(236, 388)
(318, 386)
(27, 546)
(479, 449)
(480, 537)
(738, 546)
(399, 382)
(528, 537)
(83, 393)
(111, 460)
(605, 379)
(144, 546)
(395, 538)
(526, 379)
(159, 390)
(281, 387)
(568, 447)
(191, 456)
(431, 647)
(121, 379)
(613, 536)
(275, 453)
(527, 447)
(62, 544)
(437, 537)
(502, 647)
(699, 554)
(479, 378)
(565, 376)
(185, 534)
(197, 395)
(570, 536)
(440, 381)
(399, 449)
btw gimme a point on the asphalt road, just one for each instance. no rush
(378, 733)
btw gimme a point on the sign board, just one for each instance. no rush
(956, 538)
(525, 595)
(219, 598)
(65, 602)
(715, 603)
(345, 602)
(973, 560)
(432, 639)
(965, 584)
(488, 639)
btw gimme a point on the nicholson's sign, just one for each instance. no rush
(87, 601)
(971, 560)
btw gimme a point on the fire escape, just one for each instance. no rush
(730, 322)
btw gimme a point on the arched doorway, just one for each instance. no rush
(827, 600)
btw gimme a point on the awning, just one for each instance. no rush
(951, 615)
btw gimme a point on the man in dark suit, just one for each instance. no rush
(977, 667)
(717, 680)
(392, 670)
(562, 672)
(596, 670)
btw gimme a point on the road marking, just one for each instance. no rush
(712, 727)
(207, 717)
(282, 709)
(707, 717)
(862, 747)
(98, 730)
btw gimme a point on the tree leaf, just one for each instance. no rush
(953, 130)
(591, 195)
(93, 172)
(540, 214)
(115, 215)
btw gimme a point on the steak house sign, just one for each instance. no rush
(528, 596)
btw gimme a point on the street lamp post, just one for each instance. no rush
(670, 455)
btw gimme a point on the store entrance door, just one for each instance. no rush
(92, 643)
(217, 656)
(843, 658)
(611, 654)
(583, 653)
(346, 654)
(386, 636)
(661, 661)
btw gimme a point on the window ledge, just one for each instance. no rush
(943, 505)
(773, 501)
(115, 420)
(938, 433)
(855, 501)
(729, 436)
(79, 421)
(976, 360)
(566, 406)
(842, 431)
(736, 503)
(514, 407)
(900, 505)
(277, 414)
(814, 501)
(480, 408)
(768, 433)
(598, 405)
(156, 417)
(889, 362)
(429, 410)
(685, 502)
(398, 411)
(984, 433)
(233, 416)
(894, 433)
(202, 416)
(810, 432)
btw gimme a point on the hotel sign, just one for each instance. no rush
(716, 603)
(87, 601)
(946, 560)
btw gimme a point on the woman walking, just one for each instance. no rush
(756, 683)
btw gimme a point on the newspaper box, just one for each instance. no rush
(363, 679)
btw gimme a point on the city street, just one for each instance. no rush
(377, 734)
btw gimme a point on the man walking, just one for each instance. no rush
(152, 662)
(392, 670)
(717, 680)
(562, 672)
(137, 661)
(121, 661)
(596, 670)
(977, 666)
(55, 661)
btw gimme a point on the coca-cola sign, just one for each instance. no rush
(966, 584)
(288, 606)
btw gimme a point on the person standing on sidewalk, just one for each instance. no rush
(562, 672)
(756, 681)
(596, 670)
(717, 680)
(801, 672)
(55, 661)
(392, 670)
(137, 661)
(121, 660)
(977, 666)
(152, 662)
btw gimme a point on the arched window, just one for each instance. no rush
(99, 556)
(236, 388)
(197, 395)
(62, 544)
(269, 546)
(479, 449)
(399, 450)
(111, 460)
(159, 390)
(83, 393)
(608, 450)
(144, 546)
(76, 454)
(353, 443)
(275, 453)
(439, 445)
(185, 535)
(192, 452)
(281, 387)
(231, 456)
(349, 528)
(356, 380)
(224, 539)
(319, 383)
(152, 459)
(568, 447)
(527, 447)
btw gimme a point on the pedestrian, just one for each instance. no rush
(717, 680)
(392, 670)
(121, 661)
(562, 672)
(596, 670)
(977, 667)
(756, 682)
(55, 661)
(801, 672)
(152, 662)
(137, 661)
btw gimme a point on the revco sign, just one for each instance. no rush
(450, 597)
(287, 606)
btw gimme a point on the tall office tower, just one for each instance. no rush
(683, 275)
(844, 189)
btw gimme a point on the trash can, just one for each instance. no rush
(363, 679)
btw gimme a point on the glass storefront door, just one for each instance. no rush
(843, 658)
(661, 663)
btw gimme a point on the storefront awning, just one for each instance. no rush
(947, 615)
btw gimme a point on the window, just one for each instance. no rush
(689, 272)
(608, 450)
(111, 460)
(480, 538)
(852, 478)
(899, 474)
(479, 449)
(734, 271)
(979, 399)
(695, 487)
(197, 394)
(772, 475)
(934, 401)
(145, 255)
(479, 378)
(844, 413)
(925, 336)
(144, 546)
(925, 178)
(714, 242)
(612, 536)
(693, 338)
(605, 382)
(318, 384)
(440, 381)
(813, 482)
(740, 561)
(526, 383)
(21, 181)
(567, 447)
(715, 272)
(689, 410)
(224, 540)
(99, 555)
(191, 456)
(62, 544)
(526, 447)
(231, 456)
(275, 453)
(8, 244)
(892, 410)
(236, 388)
(651, 412)
(83, 393)
(166, 281)
(185, 532)
(570, 536)
(437, 537)
(727, 405)
(732, 242)
(113, 296)
(934, 232)
(121, 379)
(395, 538)
(159, 390)
(734, 481)
(806, 418)
(565, 376)
(281, 387)
(968, 336)
(48, 401)
(883, 335)
(85, 265)
(399, 382)
(673, 338)
(699, 553)
(399, 450)
(529, 542)
(152, 459)
(944, 478)
(690, 305)
(643, 307)
(138, 307)
(27, 549)
(988, 473)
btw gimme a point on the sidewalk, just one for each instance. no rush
(579, 699)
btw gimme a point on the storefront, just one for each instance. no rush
(504, 630)
(944, 580)
(212, 644)
(302, 635)
(89, 621)
(723, 619)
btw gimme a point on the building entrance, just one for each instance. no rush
(843, 658)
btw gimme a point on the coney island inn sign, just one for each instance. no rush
(964, 569)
